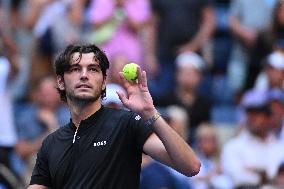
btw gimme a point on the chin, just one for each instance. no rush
(83, 97)
(86, 97)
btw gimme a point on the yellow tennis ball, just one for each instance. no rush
(130, 71)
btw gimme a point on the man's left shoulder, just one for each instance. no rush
(123, 113)
(117, 112)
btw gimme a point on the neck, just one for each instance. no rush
(82, 111)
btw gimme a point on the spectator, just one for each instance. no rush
(272, 76)
(276, 103)
(38, 22)
(55, 24)
(175, 27)
(207, 147)
(117, 23)
(246, 19)
(189, 74)
(8, 137)
(72, 21)
(36, 119)
(266, 42)
(251, 159)
(12, 41)
(8, 72)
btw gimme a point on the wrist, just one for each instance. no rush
(153, 119)
(148, 113)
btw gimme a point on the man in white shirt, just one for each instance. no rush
(251, 159)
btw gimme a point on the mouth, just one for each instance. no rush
(83, 86)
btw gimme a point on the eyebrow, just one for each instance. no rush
(90, 65)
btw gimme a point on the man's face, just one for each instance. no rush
(84, 81)
(258, 123)
(188, 77)
(277, 110)
(275, 77)
(46, 89)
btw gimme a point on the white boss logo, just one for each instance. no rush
(137, 117)
(101, 143)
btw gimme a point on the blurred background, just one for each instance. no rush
(215, 71)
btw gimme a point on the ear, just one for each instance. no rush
(60, 82)
(104, 84)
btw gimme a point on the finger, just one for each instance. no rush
(139, 74)
(122, 98)
(124, 82)
(144, 79)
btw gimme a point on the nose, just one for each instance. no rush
(84, 74)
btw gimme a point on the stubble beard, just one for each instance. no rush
(83, 100)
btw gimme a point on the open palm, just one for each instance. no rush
(138, 98)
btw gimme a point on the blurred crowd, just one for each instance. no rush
(215, 70)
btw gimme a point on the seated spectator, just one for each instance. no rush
(36, 119)
(272, 76)
(188, 80)
(266, 42)
(276, 104)
(207, 147)
(251, 159)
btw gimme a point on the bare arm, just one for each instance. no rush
(35, 186)
(32, 16)
(169, 148)
(165, 145)
(204, 33)
(246, 35)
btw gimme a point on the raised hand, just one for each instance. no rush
(138, 97)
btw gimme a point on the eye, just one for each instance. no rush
(94, 69)
(74, 69)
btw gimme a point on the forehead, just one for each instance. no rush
(87, 58)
